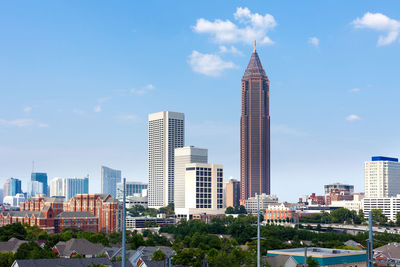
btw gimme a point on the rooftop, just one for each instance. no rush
(78, 245)
(75, 214)
(317, 252)
(381, 158)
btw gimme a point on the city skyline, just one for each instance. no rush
(333, 87)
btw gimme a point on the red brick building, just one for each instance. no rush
(103, 206)
(281, 212)
(338, 195)
(89, 212)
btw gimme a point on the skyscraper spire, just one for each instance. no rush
(254, 50)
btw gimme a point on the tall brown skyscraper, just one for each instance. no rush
(254, 131)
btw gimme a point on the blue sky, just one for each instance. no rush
(78, 78)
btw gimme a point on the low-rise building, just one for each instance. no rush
(92, 212)
(136, 199)
(76, 262)
(325, 256)
(281, 212)
(251, 203)
(390, 206)
(14, 201)
(389, 252)
(144, 222)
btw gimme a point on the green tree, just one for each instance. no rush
(312, 262)
(398, 219)
(32, 250)
(158, 255)
(229, 210)
(378, 216)
(77, 256)
(16, 230)
(136, 241)
(6, 258)
(341, 215)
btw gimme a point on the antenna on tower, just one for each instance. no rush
(254, 46)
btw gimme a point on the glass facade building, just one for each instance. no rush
(109, 180)
(132, 188)
(12, 187)
(41, 178)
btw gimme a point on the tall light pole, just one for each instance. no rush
(124, 226)
(370, 241)
(258, 230)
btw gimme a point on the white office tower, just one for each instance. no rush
(69, 187)
(203, 190)
(109, 180)
(382, 177)
(57, 187)
(185, 155)
(166, 132)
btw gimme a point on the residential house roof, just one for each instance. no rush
(63, 262)
(78, 245)
(11, 245)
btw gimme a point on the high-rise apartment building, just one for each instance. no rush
(232, 193)
(109, 180)
(166, 132)
(254, 131)
(12, 187)
(382, 177)
(183, 156)
(203, 190)
(40, 177)
(69, 187)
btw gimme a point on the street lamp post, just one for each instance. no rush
(258, 230)
(124, 225)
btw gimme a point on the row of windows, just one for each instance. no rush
(199, 206)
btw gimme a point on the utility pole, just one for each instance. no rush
(305, 257)
(370, 241)
(124, 226)
(258, 231)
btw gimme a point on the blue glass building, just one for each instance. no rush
(42, 178)
(13, 186)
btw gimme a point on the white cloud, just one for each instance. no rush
(381, 23)
(314, 41)
(143, 90)
(355, 90)
(27, 109)
(233, 50)
(353, 117)
(23, 123)
(97, 108)
(209, 64)
(253, 27)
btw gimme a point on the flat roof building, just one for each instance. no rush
(325, 256)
